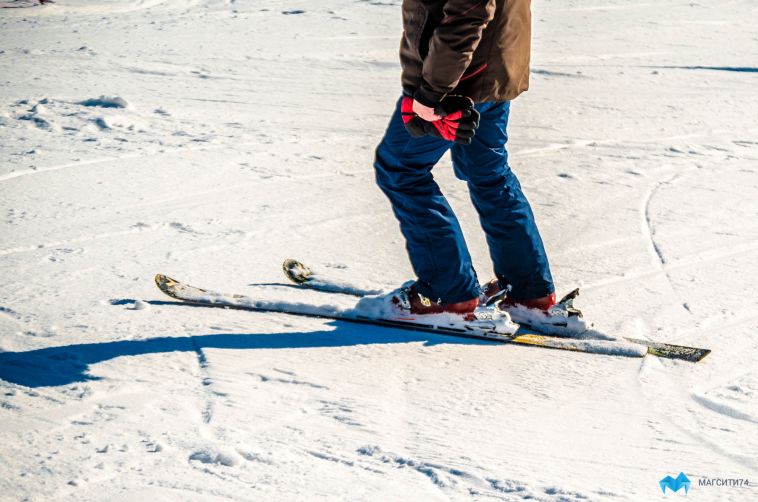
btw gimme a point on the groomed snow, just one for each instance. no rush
(209, 140)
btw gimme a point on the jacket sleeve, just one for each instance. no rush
(452, 46)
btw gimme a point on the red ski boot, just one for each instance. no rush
(542, 303)
(492, 292)
(543, 314)
(411, 301)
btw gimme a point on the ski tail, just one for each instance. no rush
(671, 351)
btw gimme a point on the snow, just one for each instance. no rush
(248, 138)
(106, 102)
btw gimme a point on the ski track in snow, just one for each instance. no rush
(91, 162)
(202, 361)
(648, 228)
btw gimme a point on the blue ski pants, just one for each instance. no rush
(433, 236)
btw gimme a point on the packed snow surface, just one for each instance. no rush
(211, 139)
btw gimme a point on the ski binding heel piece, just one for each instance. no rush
(565, 307)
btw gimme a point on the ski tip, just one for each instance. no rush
(296, 271)
(162, 279)
(165, 283)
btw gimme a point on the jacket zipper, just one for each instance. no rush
(474, 73)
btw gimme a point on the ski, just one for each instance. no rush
(306, 278)
(302, 275)
(483, 328)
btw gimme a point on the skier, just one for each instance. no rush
(462, 63)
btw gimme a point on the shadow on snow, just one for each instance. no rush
(738, 69)
(68, 364)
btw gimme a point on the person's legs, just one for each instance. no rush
(515, 245)
(433, 236)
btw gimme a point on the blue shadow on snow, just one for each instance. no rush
(737, 69)
(68, 364)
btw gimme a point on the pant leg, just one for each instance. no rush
(514, 242)
(433, 236)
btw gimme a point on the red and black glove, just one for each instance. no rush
(458, 123)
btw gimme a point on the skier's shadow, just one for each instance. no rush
(69, 364)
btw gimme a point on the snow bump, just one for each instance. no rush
(227, 458)
(105, 102)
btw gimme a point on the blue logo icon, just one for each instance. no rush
(675, 484)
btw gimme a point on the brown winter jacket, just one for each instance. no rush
(478, 48)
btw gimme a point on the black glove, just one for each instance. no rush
(458, 122)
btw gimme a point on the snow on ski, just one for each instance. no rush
(301, 274)
(481, 329)
(307, 278)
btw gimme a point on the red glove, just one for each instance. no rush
(458, 122)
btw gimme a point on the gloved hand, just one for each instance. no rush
(458, 122)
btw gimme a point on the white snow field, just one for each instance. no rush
(211, 139)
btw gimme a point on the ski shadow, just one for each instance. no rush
(736, 69)
(68, 364)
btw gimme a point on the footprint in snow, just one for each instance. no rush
(226, 458)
